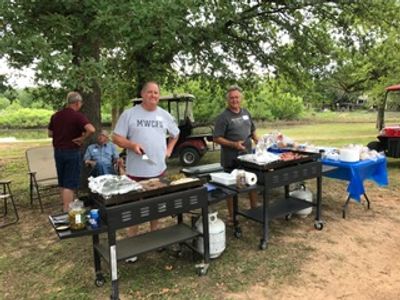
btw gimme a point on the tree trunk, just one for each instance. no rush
(116, 111)
(380, 120)
(86, 48)
(91, 107)
(114, 115)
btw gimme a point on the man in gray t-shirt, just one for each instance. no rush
(148, 130)
(234, 130)
(141, 130)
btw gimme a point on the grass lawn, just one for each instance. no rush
(34, 264)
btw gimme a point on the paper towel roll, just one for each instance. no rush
(251, 178)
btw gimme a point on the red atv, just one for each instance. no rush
(193, 138)
(389, 136)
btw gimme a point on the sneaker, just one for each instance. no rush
(131, 259)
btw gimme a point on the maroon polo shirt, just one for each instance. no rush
(66, 125)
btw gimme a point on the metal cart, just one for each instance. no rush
(121, 212)
(281, 174)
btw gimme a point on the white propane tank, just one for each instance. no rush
(304, 194)
(216, 229)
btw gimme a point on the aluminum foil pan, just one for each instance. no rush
(108, 185)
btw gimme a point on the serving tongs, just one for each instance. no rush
(60, 220)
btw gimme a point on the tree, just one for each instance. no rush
(105, 45)
(62, 39)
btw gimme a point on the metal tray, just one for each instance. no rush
(307, 157)
(138, 195)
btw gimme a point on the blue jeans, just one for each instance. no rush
(102, 169)
(68, 164)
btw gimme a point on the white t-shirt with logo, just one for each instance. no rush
(149, 129)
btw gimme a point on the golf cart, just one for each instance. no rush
(389, 136)
(193, 138)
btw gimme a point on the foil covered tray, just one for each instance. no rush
(148, 190)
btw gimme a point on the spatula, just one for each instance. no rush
(148, 159)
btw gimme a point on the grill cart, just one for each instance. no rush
(121, 211)
(281, 174)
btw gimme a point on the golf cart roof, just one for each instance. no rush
(391, 88)
(174, 97)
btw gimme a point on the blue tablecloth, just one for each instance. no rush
(356, 173)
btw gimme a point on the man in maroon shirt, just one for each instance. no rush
(69, 128)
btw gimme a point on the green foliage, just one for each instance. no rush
(272, 100)
(25, 98)
(286, 106)
(111, 47)
(15, 116)
(4, 102)
(210, 99)
(267, 100)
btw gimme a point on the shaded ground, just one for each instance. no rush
(354, 258)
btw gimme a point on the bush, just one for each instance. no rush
(4, 103)
(272, 102)
(286, 106)
(14, 116)
(261, 111)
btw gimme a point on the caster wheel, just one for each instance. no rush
(263, 245)
(238, 233)
(99, 282)
(202, 271)
(288, 217)
(319, 225)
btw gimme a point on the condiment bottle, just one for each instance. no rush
(76, 215)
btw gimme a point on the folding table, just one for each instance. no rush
(356, 173)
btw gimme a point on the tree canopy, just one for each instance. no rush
(109, 47)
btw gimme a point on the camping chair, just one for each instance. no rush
(42, 173)
(6, 195)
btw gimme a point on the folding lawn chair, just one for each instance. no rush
(42, 173)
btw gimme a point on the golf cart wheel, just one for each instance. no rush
(375, 145)
(189, 157)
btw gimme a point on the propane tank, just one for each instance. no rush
(301, 192)
(216, 229)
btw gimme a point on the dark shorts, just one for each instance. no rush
(68, 164)
(228, 170)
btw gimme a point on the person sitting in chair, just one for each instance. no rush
(102, 156)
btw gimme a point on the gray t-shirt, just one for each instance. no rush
(234, 127)
(149, 129)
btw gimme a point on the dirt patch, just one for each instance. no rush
(355, 258)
